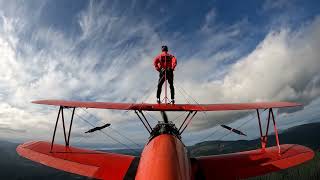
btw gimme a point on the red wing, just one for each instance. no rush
(94, 164)
(250, 163)
(168, 107)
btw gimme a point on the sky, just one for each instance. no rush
(227, 52)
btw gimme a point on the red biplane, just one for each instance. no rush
(164, 155)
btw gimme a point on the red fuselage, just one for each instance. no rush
(164, 157)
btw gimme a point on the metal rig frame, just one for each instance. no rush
(166, 127)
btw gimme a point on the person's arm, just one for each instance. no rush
(156, 62)
(174, 62)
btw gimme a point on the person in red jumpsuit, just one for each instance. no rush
(165, 64)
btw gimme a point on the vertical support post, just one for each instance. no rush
(262, 139)
(259, 120)
(265, 138)
(69, 132)
(165, 79)
(64, 128)
(275, 131)
(268, 119)
(55, 129)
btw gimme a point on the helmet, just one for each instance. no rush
(164, 48)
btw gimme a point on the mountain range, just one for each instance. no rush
(15, 167)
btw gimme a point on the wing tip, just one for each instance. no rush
(39, 101)
(26, 150)
(253, 162)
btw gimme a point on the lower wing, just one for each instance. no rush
(250, 163)
(94, 164)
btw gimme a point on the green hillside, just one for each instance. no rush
(307, 135)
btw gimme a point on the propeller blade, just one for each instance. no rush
(164, 116)
(98, 128)
(233, 130)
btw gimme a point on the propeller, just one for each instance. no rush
(233, 130)
(98, 128)
(164, 116)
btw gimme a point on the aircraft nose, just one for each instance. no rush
(165, 157)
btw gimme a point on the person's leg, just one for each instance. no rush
(160, 83)
(170, 80)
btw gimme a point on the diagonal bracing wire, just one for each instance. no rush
(192, 99)
(114, 139)
(226, 134)
(127, 138)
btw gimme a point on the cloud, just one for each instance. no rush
(285, 66)
(95, 65)
(110, 57)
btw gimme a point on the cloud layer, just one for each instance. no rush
(285, 66)
(108, 57)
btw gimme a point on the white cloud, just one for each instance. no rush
(284, 66)
(111, 60)
(48, 64)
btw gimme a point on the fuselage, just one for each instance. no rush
(164, 157)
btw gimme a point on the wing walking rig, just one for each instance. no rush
(165, 156)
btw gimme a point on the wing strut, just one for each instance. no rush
(144, 121)
(189, 120)
(66, 139)
(264, 138)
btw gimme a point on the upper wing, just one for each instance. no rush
(94, 164)
(250, 163)
(168, 107)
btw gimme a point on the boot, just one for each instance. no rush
(172, 101)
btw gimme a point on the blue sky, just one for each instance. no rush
(227, 51)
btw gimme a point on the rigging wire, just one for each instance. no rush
(180, 89)
(226, 134)
(179, 116)
(117, 131)
(147, 94)
(152, 116)
(186, 94)
(229, 132)
(114, 139)
(244, 123)
(192, 99)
